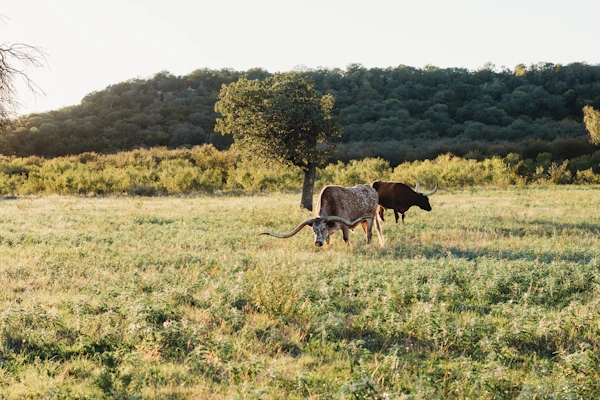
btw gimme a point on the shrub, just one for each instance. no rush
(450, 171)
(143, 190)
(207, 157)
(255, 176)
(179, 176)
(9, 184)
(518, 168)
(204, 169)
(354, 173)
(559, 174)
(587, 177)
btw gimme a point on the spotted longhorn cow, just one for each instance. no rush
(400, 197)
(342, 208)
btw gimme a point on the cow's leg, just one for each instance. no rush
(363, 225)
(381, 210)
(345, 233)
(379, 233)
(396, 215)
(368, 228)
(365, 229)
(402, 218)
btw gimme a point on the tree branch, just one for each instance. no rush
(16, 62)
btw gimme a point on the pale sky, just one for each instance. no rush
(92, 44)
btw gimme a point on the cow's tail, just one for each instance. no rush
(380, 211)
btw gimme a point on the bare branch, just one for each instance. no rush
(16, 62)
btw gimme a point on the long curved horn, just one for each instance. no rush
(345, 221)
(432, 191)
(293, 232)
(417, 186)
(361, 219)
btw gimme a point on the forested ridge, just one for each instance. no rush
(399, 114)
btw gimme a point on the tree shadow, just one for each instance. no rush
(545, 228)
(537, 229)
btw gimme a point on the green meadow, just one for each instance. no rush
(494, 294)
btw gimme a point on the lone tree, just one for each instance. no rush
(591, 118)
(281, 118)
(16, 59)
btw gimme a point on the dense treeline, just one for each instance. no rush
(399, 114)
(204, 169)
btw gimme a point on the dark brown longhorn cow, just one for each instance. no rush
(342, 208)
(399, 197)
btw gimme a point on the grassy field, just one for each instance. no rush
(493, 294)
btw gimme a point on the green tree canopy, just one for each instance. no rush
(280, 118)
(397, 113)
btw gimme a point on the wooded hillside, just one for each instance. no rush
(399, 114)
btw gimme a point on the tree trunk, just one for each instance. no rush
(308, 188)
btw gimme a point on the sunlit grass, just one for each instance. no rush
(492, 294)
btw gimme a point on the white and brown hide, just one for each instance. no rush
(342, 208)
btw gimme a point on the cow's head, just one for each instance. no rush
(423, 198)
(322, 228)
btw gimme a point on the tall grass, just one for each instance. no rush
(493, 294)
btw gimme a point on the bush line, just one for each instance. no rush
(205, 170)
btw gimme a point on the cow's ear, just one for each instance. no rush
(330, 224)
